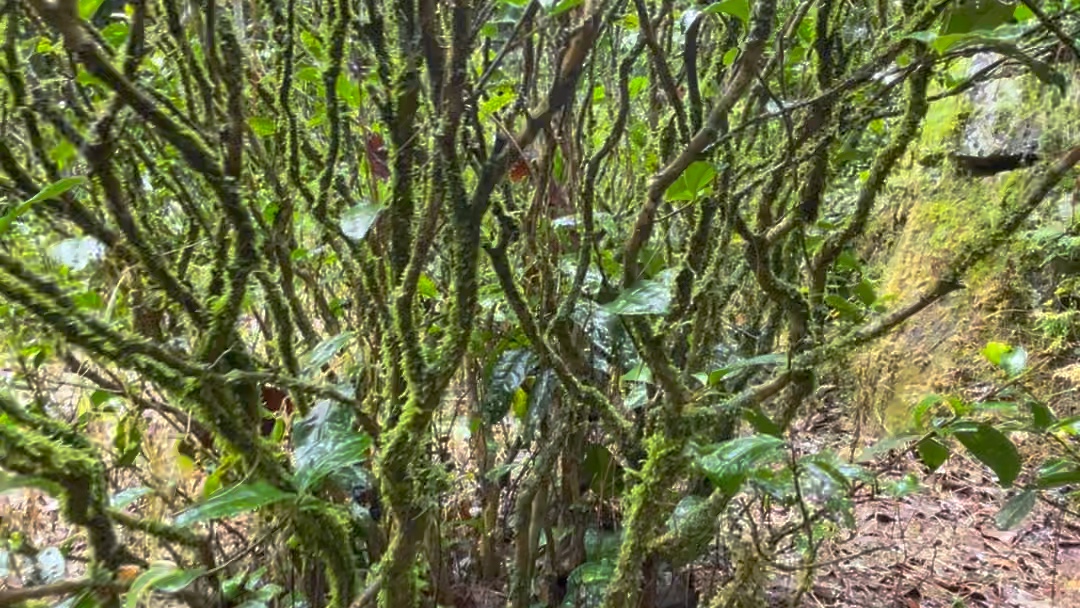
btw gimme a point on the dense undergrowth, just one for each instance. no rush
(356, 302)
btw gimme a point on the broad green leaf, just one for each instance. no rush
(327, 432)
(51, 191)
(77, 253)
(695, 181)
(339, 453)
(1015, 510)
(994, 351)
(161, 576)
(646, 297)
(728, 464)
(88, 8)
(326, 350)
(237, 500)
(356, 222)
(15, 482)
(932, 453)
(263, 126)
(736, 8)
(993, 449)
(507, 374)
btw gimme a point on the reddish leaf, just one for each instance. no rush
(377, 157)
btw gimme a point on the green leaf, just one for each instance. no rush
(695, 181)
(237, 500)
(1015, 510)
(263, 126)
(340, 452)
(161, 576)
(326, 350)
(865, 292)
(563, 6)
(507, 374)
(88, 8)
(1059, 478)
(640, 373)
(993, 449)
(1042, 416)
(646, 297)
(727, 464)
(932, 453)
(994, 351)
(736, 8)
(1022, 13)
(967, 17)
(761, 422)
(502, 97)
(116, 33)
(730, 56)
(356, 222)
(51, 191)
(922, 409)
(327, 433)
(842, 306)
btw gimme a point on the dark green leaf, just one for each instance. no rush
(508, 373)
(844, 307)
(993, 449)
(356, 222)
(341, 451)
(932, 453)
(327, 433)
(761, 422)
(1042, 416)
(1015, 510)
(602, 473)
(237, 500)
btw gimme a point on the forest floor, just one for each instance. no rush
(938, 547)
